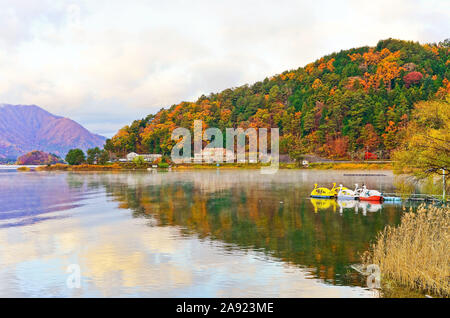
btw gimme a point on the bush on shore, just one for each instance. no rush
(163, 165)
(416, 253)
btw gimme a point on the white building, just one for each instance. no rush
(147, 157)
(214, 155)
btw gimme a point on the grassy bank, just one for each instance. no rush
(84, 167)
(107, 167)
(415, 254)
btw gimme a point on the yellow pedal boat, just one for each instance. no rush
(321, 193)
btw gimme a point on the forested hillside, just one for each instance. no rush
(338, 106)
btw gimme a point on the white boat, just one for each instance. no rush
(346, 194)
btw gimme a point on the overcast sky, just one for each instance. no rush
(106, 63)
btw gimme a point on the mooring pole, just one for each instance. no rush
(443, 185)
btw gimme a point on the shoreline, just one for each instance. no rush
(132, 167)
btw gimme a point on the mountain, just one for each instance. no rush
(339, 106)
(24, 128)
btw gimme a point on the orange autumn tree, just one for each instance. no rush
(337, 146)
(394, 133)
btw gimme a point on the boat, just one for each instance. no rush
(347, 194)
(369, 195)
(335, 190)
(393, 199)
(321, 193)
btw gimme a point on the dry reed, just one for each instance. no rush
(416, 253)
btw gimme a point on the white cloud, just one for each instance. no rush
(105, 63)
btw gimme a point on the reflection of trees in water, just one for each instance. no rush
(274, 219)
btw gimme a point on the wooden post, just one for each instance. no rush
(443, 185)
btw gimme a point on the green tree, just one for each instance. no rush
(75, 157)
(93, 155)
(103, 157)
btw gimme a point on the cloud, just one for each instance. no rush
(105, 63)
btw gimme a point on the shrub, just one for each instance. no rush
(139, 161)
(163, 165)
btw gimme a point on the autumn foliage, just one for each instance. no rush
(339, 106)
(38, 158)
(412, 78)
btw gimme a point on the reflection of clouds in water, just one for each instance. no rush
(28, 198)
(125, 257)
(122, 256)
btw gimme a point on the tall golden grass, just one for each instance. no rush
(416, 253)
(83, 167)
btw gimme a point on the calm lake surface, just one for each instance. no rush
(211, 233)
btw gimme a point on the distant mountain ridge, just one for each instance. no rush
(24, 128)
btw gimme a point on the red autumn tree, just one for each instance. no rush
(412, 78)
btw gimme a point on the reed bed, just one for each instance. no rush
(416, 253)
(83, 167)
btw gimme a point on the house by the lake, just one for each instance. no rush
(147, 157)
(209, 155)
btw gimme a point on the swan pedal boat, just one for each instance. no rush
(321, 193)
(335, 190)
(346, 194)
(369, 195)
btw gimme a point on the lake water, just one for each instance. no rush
(211, 233)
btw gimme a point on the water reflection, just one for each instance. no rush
(359, 206)
(207, 233)
(25, 200)
(274, 215)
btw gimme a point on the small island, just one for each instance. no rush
(37, 157)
